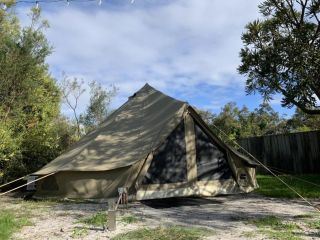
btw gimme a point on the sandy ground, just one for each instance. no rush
(228, 216)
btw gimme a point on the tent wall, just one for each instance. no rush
(169, 160)
(199, 188)
(211, 168)
(90, 185)
(212, 163)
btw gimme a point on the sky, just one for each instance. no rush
(188, 49)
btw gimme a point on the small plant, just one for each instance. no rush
(274, 223)
(9, 223)
(98, 219)
(165, 233)
(314, 224)
(280, 235)
(79, 232)
(275, 228)
(130, 219)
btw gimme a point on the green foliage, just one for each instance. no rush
(32, 131)
(239, 123)
(130, 219)
(9, 223)
(165, 233)
(99, 105)
(314, 224)
(281, 53)
(274, 223)
(29, 97)
(8, 145)
(66, 132)
(271, 187)
(302, 122)
(79, 232)
(276, 228)
(280, 235)
(98, 219)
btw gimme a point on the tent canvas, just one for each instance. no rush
(154, 145)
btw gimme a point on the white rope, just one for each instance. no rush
(120, 197)
(265, 167)
(294, 177)
(27, 184)
(13, 181)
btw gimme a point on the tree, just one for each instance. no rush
(238, 122)
(301, 122)
(227, 120)
(265, 121)
(281, 53)
(29, 96)
(72, 89)
(99, 105)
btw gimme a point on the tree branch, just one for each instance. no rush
(304, 6)
(298, 104)
(292, 12)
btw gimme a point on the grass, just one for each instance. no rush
(275, 228)
(10, 223)
(314, 224)
(274, 223)
(280, 235)
(165, 233)
(79, 232)
(98, 219)
(129, 219)
(272, 187)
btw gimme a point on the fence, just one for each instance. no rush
(293, 152)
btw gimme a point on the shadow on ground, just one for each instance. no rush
(179, 202)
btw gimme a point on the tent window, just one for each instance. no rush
(169, 163)
(211, 159)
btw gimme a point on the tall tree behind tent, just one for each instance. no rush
(29, 97)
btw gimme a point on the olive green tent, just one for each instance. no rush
(154, 145)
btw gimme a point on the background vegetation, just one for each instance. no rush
(32, 129)
(239, 122)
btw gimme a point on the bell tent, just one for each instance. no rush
(154, 145)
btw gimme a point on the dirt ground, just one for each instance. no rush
(228, 216)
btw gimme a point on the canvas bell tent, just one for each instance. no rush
(154, 145)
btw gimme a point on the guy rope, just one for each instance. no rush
(1, 194)
(266, 168)
(1, 186)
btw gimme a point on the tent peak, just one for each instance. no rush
(145, 88)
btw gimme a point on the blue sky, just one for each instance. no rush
(188, 49)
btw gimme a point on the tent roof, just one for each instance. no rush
(125, 137)
(128, 135)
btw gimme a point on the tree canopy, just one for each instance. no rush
(281, 53)
(99, 105)
(29, 96)
(238, 122)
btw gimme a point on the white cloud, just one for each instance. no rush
(175, 46)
